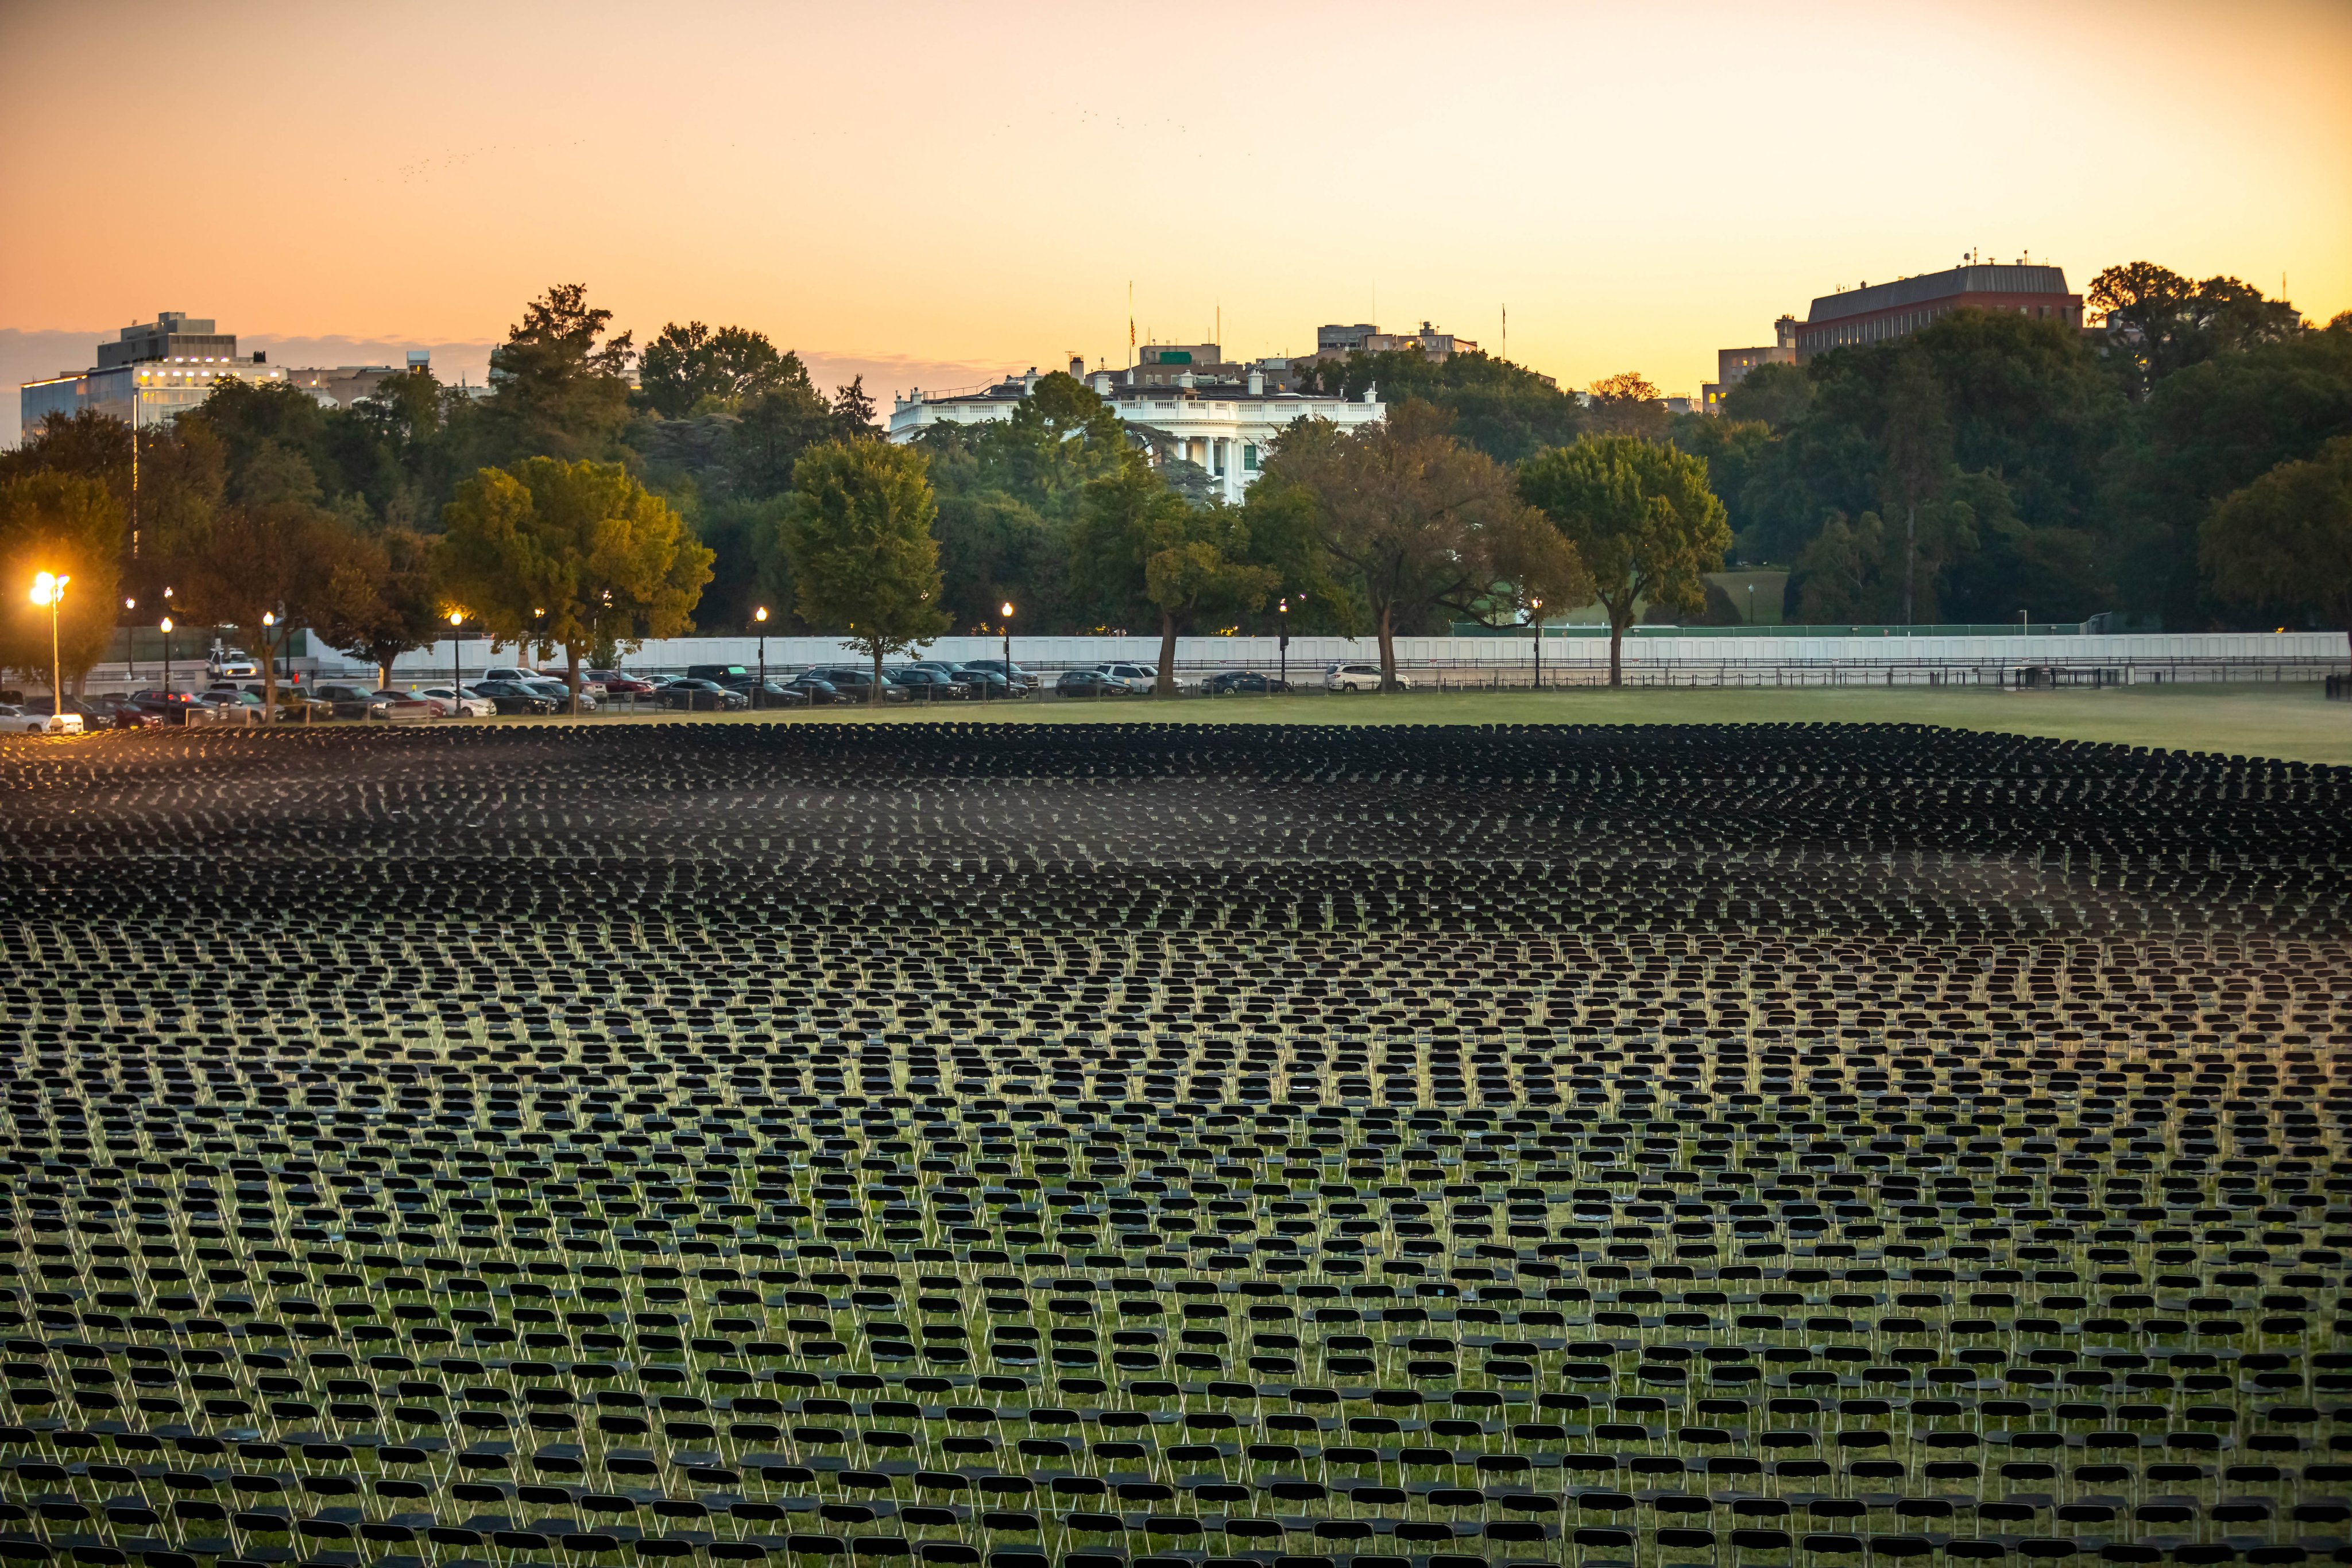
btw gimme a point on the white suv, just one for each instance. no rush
(1360, 679)
(1134, 677)
(1144, 678)
(440, 702)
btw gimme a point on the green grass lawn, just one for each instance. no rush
(2294, 722)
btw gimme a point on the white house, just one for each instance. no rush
(1224, 427)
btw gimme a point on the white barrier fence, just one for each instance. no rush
(1704, 658)
(1651, 658)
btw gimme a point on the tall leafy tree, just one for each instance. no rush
(264, 567)
(570, 556)
(1409, 521)
(2159, 323)
(1642, 518)
(1137, 542)
(1916, 441)
(1626, 404)
(1009, 494)
(685, 367)
(2204, 433)
(382, 596)
(2286, 538)
(71, 526)
(559, 385)
(859, 547)
(1504, 410)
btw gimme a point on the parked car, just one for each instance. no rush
(618, 684)
(855, 684)
(720, 675)
(463, 701)
(133, 713)
(232, 663)
(589, 684)
(1239, 683)
(34, 718)
(304, 708)
(1360, 679)
(1092, 684)
(562, 694)
(513, 696)
(1134, 677)
(772, 692)
(982, 683)
(164, 707)
(401, 705)
(700, 696)
(350, 702)
(508, 673)
(815, 688)
(927, 685)
(1019, 677)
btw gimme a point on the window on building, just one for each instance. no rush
(1249, 457)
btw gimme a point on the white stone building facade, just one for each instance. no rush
(1225, 428)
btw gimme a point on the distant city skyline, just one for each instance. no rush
(935, 194)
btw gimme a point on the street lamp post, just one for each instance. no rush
(1007, 608)
(1282, 647)
(1751, 604)
(129, 647)
(760, 692)
(1535, 615)
(50, 590)
(457, 675)
(167, 658)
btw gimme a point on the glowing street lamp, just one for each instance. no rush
(760, 692)
(166, 629)
(49, 588)
(456, 676)
(1006, 607)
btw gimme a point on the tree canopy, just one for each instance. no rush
(1640, 518)
(69, 525)
(1408, 520)
(858, 542)
(570, 555)
(2286, 538)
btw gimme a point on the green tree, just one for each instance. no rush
(1137, 542)
(1841, 576)
(1407, 520)
(263, 567)
(1642, 518)
(1010, 492)
(685, 367)
(2159, 323)
(2286, 538)
(853, 409)
(860, 549)
(1776, 395)
(559, 385)
(2204, 433)
(382, 596)
(1626, 404)
(71, 526)
(1916, 441)
(570, 555)
(1504, 410)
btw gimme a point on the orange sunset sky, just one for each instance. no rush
(927, 194)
